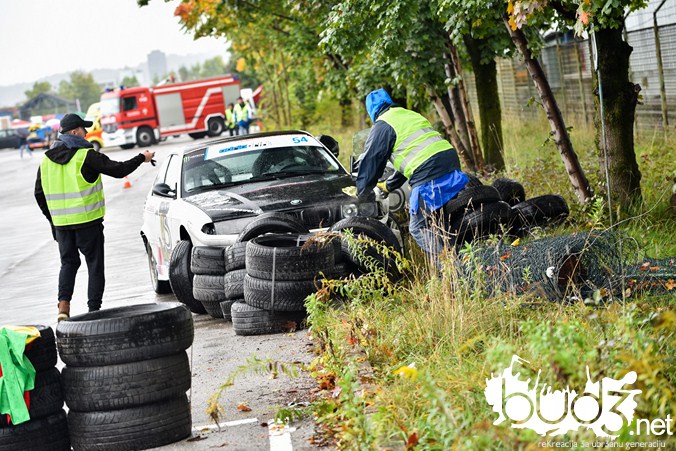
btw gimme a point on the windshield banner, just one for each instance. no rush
(268, 142)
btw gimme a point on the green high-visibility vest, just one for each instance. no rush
(416, 139)
(242, 112)
(70, 198)
(229, 118)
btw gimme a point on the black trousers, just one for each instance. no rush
(89, 242)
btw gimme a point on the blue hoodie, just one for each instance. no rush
(375, 101)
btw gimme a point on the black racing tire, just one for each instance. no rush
(197, 135)
(127, 146)
(46, 398)
(510, 190)
(145, 137)
(207, 260)
(125, 334)
(289, 295)
(226, 308)
(271, 222)
(42, 434)
(180, 276)
(235, 256)
(159, 286)
(248, 320)
(209, 291)
(233, 284)
(482, 222)
(141, 427)
(42, 351)
(113, 387)
(470, 199)
(374, 230)
(287, 257)
(550, 209)
(216, 126)
(473, 181)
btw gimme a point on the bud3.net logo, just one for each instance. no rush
(605, 407)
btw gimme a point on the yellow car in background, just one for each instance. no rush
(95, 132)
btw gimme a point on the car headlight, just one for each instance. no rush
(209, 229)
(368, 209)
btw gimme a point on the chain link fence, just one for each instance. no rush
(568, 65)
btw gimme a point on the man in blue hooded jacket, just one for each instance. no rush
(420, 155)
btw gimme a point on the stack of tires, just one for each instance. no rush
(480, 210)
(208, 266)
(181, 276)
(47, 428)
(126, 376)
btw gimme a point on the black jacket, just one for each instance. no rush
(61, 152)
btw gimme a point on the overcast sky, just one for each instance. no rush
(43, 37)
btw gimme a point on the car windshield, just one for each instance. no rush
(238, 162)
(110, 106)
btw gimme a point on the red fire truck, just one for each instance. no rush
(143, 115)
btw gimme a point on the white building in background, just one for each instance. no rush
(157, 65)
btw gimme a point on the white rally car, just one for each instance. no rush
(207, 194)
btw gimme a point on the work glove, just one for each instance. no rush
(382, 186)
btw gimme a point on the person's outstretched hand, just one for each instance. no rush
(148, 155)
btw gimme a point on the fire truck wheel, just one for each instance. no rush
(216, 126)
(145, 137)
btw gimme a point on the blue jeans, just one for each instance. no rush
(421, 228)
(243, 129)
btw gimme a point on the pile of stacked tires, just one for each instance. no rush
(126, 376)
(47, 427)
(481, 210)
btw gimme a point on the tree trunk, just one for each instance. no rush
(346, 112)
(556, 123)
(475, 148)
(620, 97)
(486, 78)
(452, 134)
(455, 100)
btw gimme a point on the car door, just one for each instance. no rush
(168, 209)
(154, 221)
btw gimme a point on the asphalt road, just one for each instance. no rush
(29, 267)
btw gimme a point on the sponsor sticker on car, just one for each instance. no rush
(270, 142)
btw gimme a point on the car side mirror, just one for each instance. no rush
(330, 143)
(164, 190)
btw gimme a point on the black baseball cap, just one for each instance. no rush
(71, 121)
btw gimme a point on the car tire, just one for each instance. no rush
(216, 126)
(125, 334)
(233, 284)
(159, 286)
(42, 351)
(46, 398)
(197, 135)
(272, 222)
(288, 295)
(287, 257)
(141, 427)
(473, 181)
(482, 222)
(510, 190)
(470, 199)
(180, 276)
(249, 320)
(125, 385)
(209, 291)
(145, 137)
(48, 433)
(550, 209)
(226, 308)
(207, 260)
(235, 257)
(127, 146)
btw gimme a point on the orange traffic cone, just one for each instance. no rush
(127, 183)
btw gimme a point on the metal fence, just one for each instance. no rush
(568, 67)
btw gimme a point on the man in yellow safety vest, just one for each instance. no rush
(242, 116)
(230, 119)
(69, 192)
(420, 155)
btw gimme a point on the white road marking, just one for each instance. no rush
(280, 436)
(228, 424)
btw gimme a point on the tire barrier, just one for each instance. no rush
(181, 276)
(510, 191)
(126, 376)
(207, 260)
(248, 320)
(47, 427)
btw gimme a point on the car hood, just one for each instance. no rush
(278, 195)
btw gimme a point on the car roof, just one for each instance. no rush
(211, 142)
